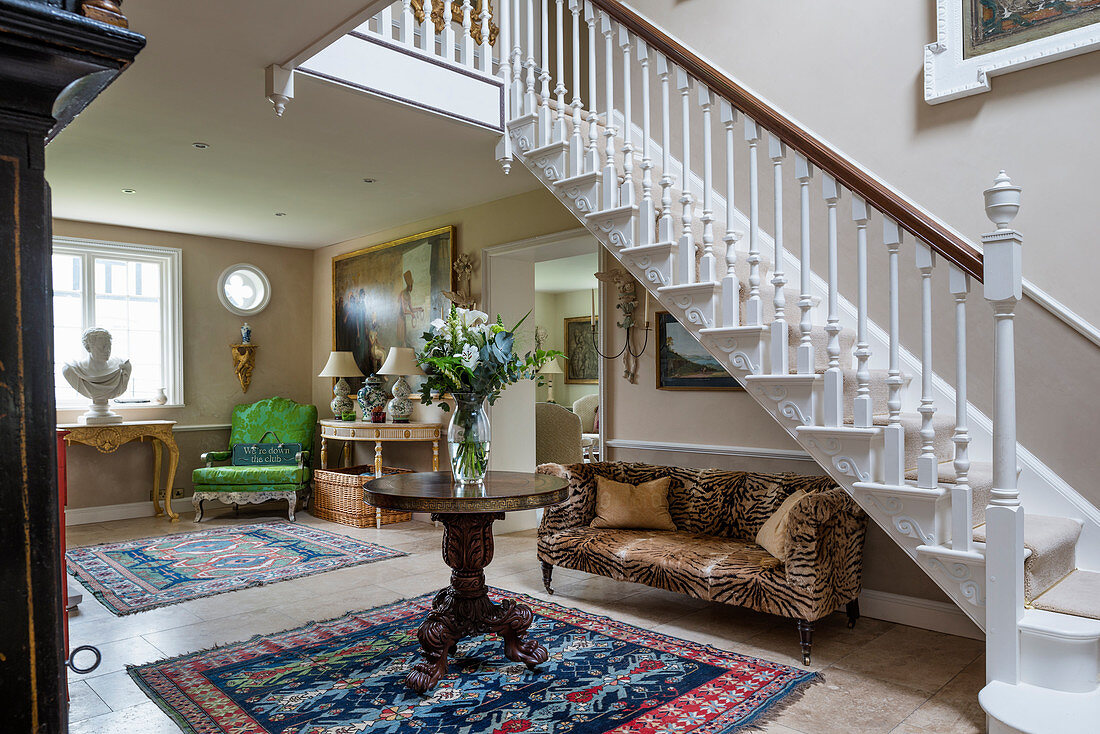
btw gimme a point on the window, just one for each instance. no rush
(133, 292)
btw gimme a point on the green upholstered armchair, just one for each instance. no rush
(291, 422)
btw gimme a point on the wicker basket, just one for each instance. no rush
(338, 497)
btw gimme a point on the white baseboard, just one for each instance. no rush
(126, 511)
(913, 611)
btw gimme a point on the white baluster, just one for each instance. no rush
(530, 103)
(408, 23)
(927, 468)
(576, 144)
(486, 47)
(545, 116)
(504, 147)
(664, 226)
(686, 253)
(385, 23)
(517, 58)
(1004, 516)
(647, 212)
(592, 161)
(626, 191)
(467, 48)
(894, 434)
(754, 309)
(609, 194)
(448, 32)
(780, 357)
(427, 33)
(731, 286)
(863, 409)
(804, 171)
(962, 515)
(559, 89)
(707, 263)
(834, 380)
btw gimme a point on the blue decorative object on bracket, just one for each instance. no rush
(246, 333)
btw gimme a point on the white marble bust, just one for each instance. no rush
(99, 376)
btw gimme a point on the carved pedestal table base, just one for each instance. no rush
(464, 608)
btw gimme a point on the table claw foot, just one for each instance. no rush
(437, 638)
(514, 621)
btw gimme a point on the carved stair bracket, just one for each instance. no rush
(523, 131)
(654, 261)
(967, 573)
(244, 360)
(456, 17)
(695, 302)
(793, 396)
(582, 191)
(551, 160)
(848, 450)
(739, 346)
(616, 224)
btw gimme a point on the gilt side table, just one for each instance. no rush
(467, 514)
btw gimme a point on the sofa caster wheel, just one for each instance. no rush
(805, 659)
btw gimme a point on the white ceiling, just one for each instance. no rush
(567, 274)
(201, 79)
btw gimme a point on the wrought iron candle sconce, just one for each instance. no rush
(628, 304)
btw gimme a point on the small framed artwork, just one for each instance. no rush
(582, 364)
(683, 364)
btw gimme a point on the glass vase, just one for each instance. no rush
(468, 439)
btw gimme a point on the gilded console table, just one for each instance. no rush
(108, 437)
(349, 431)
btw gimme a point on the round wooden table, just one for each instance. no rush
(467, 514)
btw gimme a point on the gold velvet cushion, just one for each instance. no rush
(638, 507)
(773, 533)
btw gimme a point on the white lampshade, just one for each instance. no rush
(341, 364)
(400, 361)
(551, 368)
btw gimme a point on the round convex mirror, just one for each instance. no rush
(244, 289)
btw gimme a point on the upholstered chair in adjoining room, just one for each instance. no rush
(280, 421)
(586, 408)
(557, 435)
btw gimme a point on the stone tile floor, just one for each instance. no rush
(879, 677)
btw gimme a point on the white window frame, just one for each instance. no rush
(948, 76)
(171, 314)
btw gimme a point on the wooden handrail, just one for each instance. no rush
(940, 238)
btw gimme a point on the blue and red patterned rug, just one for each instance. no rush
(137, 575)
(347, 675)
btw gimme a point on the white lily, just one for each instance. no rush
(438, 324)
(469, 356)
(470, 317)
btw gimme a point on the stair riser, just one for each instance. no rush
(1059, 663)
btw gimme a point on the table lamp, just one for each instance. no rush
(550, 369)
(341, 365)
(401, 361)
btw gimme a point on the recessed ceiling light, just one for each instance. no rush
(369, 180)
(200, 146)
(280, 214)
(129, 191)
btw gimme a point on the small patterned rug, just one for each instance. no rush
(137, 575)
(346, 675)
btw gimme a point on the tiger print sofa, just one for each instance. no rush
(712, 554)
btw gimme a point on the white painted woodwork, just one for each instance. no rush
(530, 103)
(592, 157)
(834, 380)
(486, 49)
(448, 33)
(385, 23)
(504, 145)
(664, 227)
(686, 247)
(731, 288)
(576, 144)
(862, 407)
(609, 192)
(894, 435)
(961, 510)
(427, 35)
(804, 357)
(754, 309)
(927, 464)
(707, 263)
(545, 117)
(647, 211)
(517, 55)
(779, 357)
(626, 190)
(559, 88)
(408, 23)
(467, 47)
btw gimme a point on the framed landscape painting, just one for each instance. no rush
(978, 39)
(582, 364)
(386, 295)
(683, 364)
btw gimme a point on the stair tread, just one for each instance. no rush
(1052, 542)
(1078, 594)
(1031, 708)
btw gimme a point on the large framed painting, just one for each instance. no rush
(683, 364)
(978, 39)
(582, 363)
(386, 295)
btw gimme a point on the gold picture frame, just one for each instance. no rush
(387, 294)
(582, 362)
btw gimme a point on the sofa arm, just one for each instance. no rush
(582, 493)
(302, 458)
(825, 533)
(211, 456)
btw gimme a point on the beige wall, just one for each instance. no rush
(499, 222)
(211, 388)
(551, 310)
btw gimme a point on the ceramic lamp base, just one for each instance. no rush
(341, 403)
(401, 408)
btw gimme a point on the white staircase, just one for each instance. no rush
(948, 484)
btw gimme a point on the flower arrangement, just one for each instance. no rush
(473, 359)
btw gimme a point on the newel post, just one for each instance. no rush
(1004, 515)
